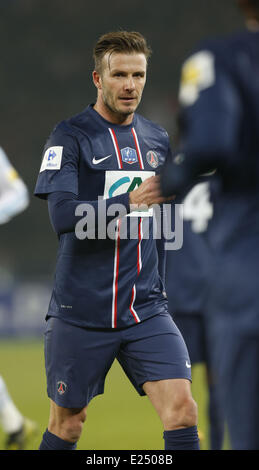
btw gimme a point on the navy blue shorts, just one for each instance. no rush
(78, 359)
(194, 331)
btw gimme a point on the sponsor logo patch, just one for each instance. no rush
(119, 182)
(52, 159)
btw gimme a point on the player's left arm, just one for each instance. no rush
(14, 197)
(210, 117)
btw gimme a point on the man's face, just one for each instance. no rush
(121, 84)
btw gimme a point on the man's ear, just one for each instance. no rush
(97, 80)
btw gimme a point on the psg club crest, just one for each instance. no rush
(62, 387)
(129, 155)
(152, 159)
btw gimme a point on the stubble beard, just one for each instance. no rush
(116, 111)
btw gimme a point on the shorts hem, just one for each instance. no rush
(69, 404)
(152, 379)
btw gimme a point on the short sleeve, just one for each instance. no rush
(59, 166)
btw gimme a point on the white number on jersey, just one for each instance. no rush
(197, 207)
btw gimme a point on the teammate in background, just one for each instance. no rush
(186, 283)
(13, 200)
(220, 129)
(108, 300)
(13, 192)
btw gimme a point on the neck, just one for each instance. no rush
(112, 116)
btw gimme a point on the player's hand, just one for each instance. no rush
(148, 193)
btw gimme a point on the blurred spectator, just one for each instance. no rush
(13, 200)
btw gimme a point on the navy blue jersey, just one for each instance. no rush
(187, 269)
(219, 97)
(219, 116)
(105, 283)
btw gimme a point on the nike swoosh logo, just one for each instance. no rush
(96, 162)
(187, 364)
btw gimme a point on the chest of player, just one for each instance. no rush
(115, 162)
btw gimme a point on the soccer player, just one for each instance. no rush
(107, 300)
(13, 192)
(220, 129)
(186, 284)
(13, 200)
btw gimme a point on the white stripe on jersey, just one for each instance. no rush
(138, 149)
(139, 245)
(117, 150)
(132, 310)
(139, 267)
(115, 275)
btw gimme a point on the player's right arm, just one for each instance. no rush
(14, 196)
(58, 183)
(62, 205)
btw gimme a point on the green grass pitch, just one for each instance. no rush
(119, 419)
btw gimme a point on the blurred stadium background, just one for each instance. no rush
(46, 64)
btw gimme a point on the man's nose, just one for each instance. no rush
(129, 84)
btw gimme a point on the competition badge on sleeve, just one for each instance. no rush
(52, 159)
